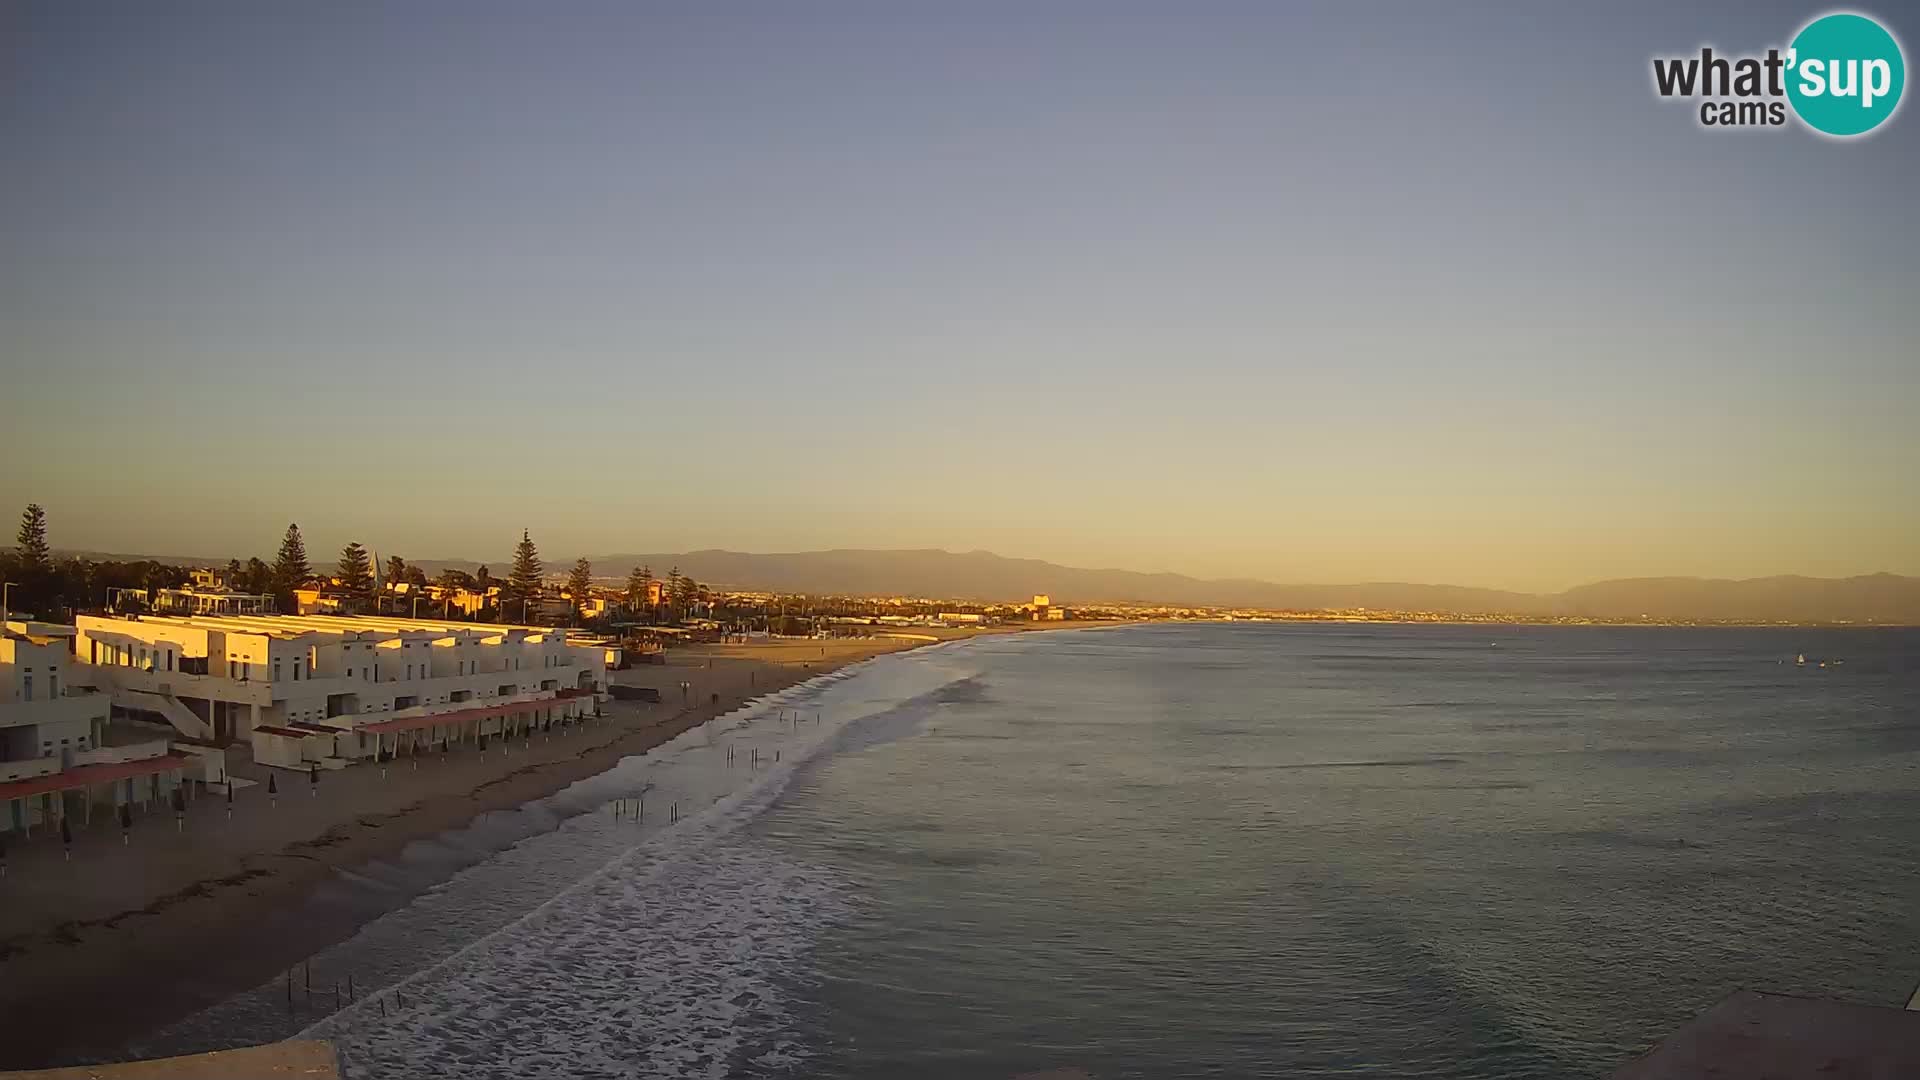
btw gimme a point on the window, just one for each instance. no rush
(276, 671)
(169, 659)
(95, 646)
(27, 684)
(53, 685)
(296, 671)
(233, 669)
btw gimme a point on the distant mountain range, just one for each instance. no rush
(984, 576)
(981, 575)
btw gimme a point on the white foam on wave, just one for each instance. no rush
(674, 958)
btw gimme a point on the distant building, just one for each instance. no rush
(1042, 609)
(321, 600)
(962, 618)
(215, 600)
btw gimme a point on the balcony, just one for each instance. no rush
(82, 707)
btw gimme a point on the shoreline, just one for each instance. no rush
(128, 938)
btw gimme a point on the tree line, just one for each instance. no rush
(52, 588)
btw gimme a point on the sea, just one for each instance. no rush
(1167, 850)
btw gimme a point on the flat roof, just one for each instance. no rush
(292, 626)
(293, 733)
(461, 716)
(89, 775)
(1749, 1036)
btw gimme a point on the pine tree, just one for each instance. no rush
(35, 556)
(396, 569)
(290, 568)
(482, 580)
(233, 573)
(356, 570)
(672, 594)
(524, 581)
(639, 580)
(685, 592)
(580, 584)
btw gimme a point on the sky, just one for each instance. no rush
(1309, 293)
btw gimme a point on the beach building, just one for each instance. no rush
(327, 690)
(55, 745)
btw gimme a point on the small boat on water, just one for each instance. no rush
(1801, 659)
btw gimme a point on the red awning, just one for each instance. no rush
(461, 716)
(90, 775)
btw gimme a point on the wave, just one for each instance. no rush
(605, 939)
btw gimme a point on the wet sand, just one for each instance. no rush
(126, 938)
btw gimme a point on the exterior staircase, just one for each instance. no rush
(183, 719)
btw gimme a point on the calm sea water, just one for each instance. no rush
(1231, 850)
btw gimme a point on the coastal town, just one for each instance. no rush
(134, 684)
(130, 685)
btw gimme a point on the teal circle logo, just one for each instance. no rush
(1845, 74)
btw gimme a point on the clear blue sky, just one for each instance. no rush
(1343, 292)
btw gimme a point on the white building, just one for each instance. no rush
(53, 735)
(324, 689)
(210, 601)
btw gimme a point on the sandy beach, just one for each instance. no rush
(127, 937)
